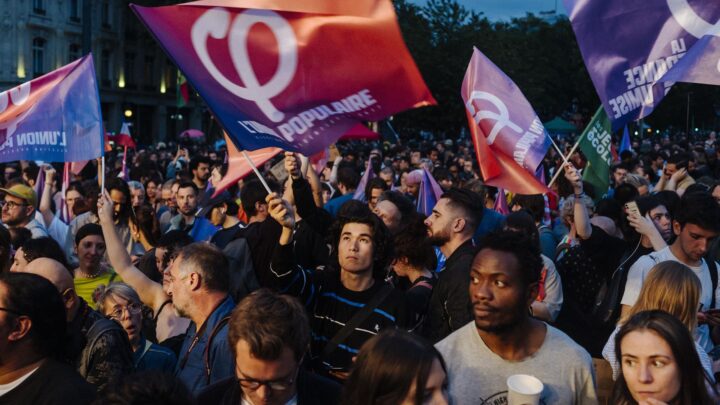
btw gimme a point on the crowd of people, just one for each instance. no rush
(323, 290)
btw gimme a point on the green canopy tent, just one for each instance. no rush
(559, 126)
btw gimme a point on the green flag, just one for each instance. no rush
(182, 91)
(595, 143)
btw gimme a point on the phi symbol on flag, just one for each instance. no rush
(16, 96)
(501, 118)
(216, 22)
(690, 21)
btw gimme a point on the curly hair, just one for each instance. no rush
(521, 246)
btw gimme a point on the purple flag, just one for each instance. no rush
(430, 192)
(509, 138)
(54, 118)
(501, 203)
(629, 47)
(701, 64)
(367, 176)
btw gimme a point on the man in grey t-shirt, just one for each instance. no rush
(504, 339)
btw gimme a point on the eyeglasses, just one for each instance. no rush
(132, 309)
(275, 385)
(11, 204)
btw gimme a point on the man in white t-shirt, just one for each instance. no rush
(504, 339)
(697, 222)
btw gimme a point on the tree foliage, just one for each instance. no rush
(542, 57)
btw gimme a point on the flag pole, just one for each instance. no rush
(557, 174)
(557, 148)
(102, 174)
(257, 172)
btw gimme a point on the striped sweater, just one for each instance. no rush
(330, 305)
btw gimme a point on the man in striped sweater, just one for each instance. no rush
(336, 294)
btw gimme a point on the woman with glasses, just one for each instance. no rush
(121, 304)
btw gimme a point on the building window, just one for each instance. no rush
(73, 52)
(39, 7)
(105, 74)
(105, 14)
(130, 69)
(74, 10)
(148, 69)
(38, 56)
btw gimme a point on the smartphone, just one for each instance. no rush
(632, 208)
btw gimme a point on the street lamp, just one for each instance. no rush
(128, 113)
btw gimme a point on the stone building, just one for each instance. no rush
(136, 80)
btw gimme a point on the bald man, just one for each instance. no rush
(97, 346)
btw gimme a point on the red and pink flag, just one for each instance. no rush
(238, 166)
(293, 74)
(510, 140)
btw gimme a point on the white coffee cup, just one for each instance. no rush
(524, 389)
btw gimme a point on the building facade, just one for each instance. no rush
(136, 80)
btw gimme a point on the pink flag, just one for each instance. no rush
(238, 166)
(501, 202)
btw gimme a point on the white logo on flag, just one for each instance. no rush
(17, 96)
(501, 118)
(690, 21)
(215, 23)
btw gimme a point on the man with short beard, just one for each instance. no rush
(504, 340)
(18, 210)
(450, 227)
(198, 281)
(199, 228)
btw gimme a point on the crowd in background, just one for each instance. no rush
(330, 289)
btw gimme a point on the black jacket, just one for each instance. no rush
(311, 389)
(450, 307)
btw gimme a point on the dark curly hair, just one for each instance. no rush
(413, 244)
(522, 247)
(358, 212)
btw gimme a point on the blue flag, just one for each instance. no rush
(625, 142)
(54, 118)
(634, 50)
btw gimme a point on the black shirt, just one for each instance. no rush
(53, 383)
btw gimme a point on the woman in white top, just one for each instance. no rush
(671, 287)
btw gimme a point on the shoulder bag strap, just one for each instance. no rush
(356, 320)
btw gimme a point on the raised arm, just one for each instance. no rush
(150, 292)
(581, 217)
(46, 198)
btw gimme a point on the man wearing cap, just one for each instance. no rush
(18, 210)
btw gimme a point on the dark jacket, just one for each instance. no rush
(311, 389)
(450, 307)
(101, 354)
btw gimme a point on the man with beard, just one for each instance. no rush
(504, 339)
(200, 169)
(450, 227)
(199, 228)
(18, 210)
(198, 282)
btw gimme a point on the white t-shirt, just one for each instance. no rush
(5, 388)
(639, 271)
(479, 376)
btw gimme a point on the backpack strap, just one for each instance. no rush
(712, 267)
(356, 320)
(206, 354)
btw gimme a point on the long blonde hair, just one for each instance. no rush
(671, 287)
